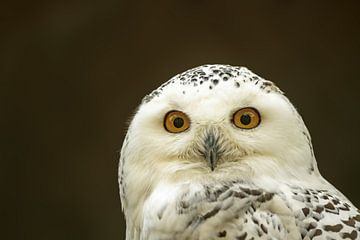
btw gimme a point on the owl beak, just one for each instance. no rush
(211, 150)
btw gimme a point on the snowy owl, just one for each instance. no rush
(217, 152)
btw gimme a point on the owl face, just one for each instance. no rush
(211, 125)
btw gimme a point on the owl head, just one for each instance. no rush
(215, 122)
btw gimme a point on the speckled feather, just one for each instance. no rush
(255, 192)
(237, 210)
(211, 75)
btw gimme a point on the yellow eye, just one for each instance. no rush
(246, 118)
(176, 122)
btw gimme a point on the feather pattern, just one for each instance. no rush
(237, 210)
(215, 180)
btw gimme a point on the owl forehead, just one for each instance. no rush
(211, 79)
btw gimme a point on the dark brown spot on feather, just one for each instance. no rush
(319, 209)
(357, 218)
(246, 190)
(242, 237)
(263, 228)
(318, 232)
(255, 220)
(255, 192)
(333, 228)
(350, 222)
(330, 206)
(222, 234)
(352, 235)
(306, 211)
(344, 208)
(211, 213)
(265, 197)
(240, 195)
(311, 226)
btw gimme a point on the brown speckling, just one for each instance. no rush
(312, 225)
(211, 213)
(218, 73)
(317, 232)
(353, 235)
(333, 228)
(240, 195)
(263, 228)
(350, 222)
(255, 220)
(357, 217)
(330, 206)
(344, 208)
(319, 209)
(242, 237)
(222, 234)
(306, 211)
(265, 197)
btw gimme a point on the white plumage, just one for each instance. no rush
(217, 152)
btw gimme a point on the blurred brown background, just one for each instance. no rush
(72, 72)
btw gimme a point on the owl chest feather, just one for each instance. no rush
(236, 210)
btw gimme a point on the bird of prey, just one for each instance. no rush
(217, 152)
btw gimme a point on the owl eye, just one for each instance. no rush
(246, 118)
(176, 122)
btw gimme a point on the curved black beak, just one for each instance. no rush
(211, 150)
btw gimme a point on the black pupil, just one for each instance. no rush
(178, 122)
(245, 119)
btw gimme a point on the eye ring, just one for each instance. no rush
(176, 121)
(246, 118)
